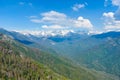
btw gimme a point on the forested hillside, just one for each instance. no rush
(16, 63)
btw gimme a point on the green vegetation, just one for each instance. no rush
(14, 67)
(101, 54)
(15, 64)
(104, 57)
(18, 67)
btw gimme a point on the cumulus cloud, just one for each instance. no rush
(112, 19)
(110, 22)
(81, 22)
(53, 17)
(117, 12)
(117, 4)
(61, 19)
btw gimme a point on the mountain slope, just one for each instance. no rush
(100, 52)
(104, 57)
(17, 67)
(112, 34)
(14, 67)
(59, 65)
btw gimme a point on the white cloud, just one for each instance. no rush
(110, 22)
(112, 19)
(53, 17)
(56, 18)
(52, 27)
(117, 12)
(113, 2)
(116, 2)
(81, 22)
(76, 7)
(109, 15)
(54, 14)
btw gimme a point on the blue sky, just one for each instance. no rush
(56, 15)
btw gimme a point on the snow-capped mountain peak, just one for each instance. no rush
(46, 33)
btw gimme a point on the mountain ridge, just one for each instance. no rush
(59, 63)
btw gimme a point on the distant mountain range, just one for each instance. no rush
(73, 54)
(47, 33)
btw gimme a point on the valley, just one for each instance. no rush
(68, 59)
